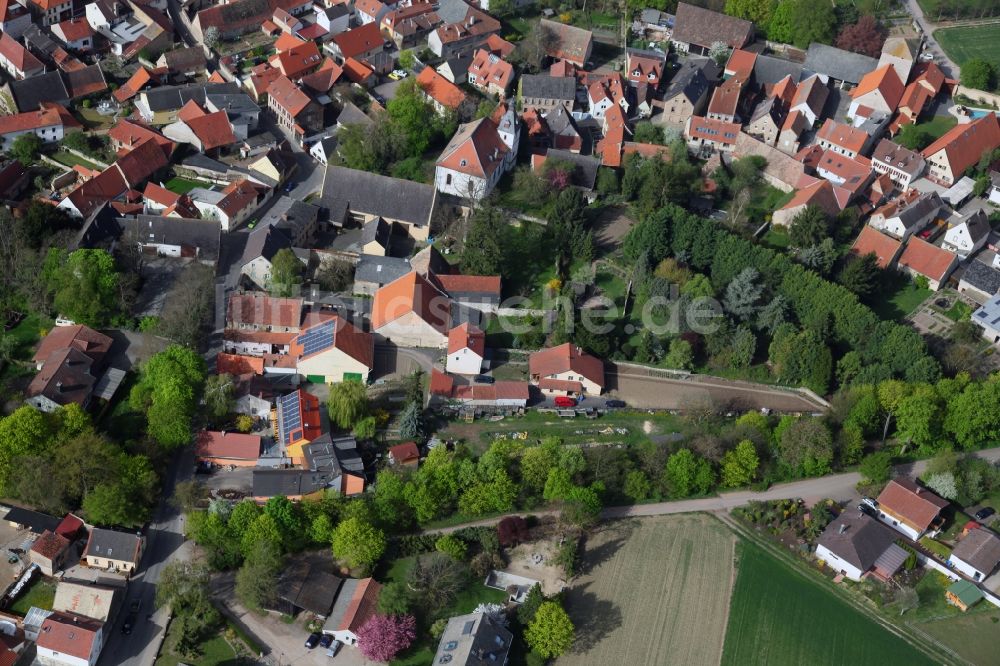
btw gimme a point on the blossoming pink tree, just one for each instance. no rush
(382, 637)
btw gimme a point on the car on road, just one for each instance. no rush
(334, 649)
(565, 401)
(869, 502)
(252, 224)
(312, 641)
(483, 379)
(326, 640)
(985, 513)
(927, 56)
(127, 625)
(614, 404)
(398, 74)
(926, 233)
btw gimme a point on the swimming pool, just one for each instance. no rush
(976, 114)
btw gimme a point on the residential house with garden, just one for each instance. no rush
(856, 545)
(960, 148)
(696, 29)
(910, 508)
(112, 550)
(977, 553)
(566, 370)
(473, 639)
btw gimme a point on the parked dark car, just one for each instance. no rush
(312, 641)
(325, 640)
(483, 379)
(985, 513)
(614, 404)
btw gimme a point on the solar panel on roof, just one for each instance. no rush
(317, 338)
(291, 416)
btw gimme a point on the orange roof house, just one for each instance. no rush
(491, 73)
(922, 258)
(961, 147)
(356, 603)
(441, 384)
(227, 448)
(442, 93)
(475, 150)
(880, 89)
(818, 193)
(412, 312)
(842, 138)
(406, 454)
(359, 42)
(912, 508)
(566, 368)
(298, 60)
(740, 64)
(128, 134)
(18, 59)
(213, 130)
(358, 72)
(69, 635)
(571, 44)
(466, 349)
(872, 241)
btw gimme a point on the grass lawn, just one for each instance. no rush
(959, 311)
(776, 238)
(781, 616)
(91, 119)
(180, 185)
(973, 636)
(214, 652)
(962, 44)
(933, 605)
(897, 304)
(71, 160)
(653, 591)
(41, 594)
(938, 125)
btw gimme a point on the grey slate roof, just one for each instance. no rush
(166, 98)
(264, 241)
(309, 587)
(696, 25)
(584, 166)
(269, 482)
(452, 11)
(838, 63)
(35, 521)
(543, 86)
(473, 640)
(376, 230)
(380, 270)
(291, 215)
(768, 70)
(202, 234)
(768, 106)
(373, 194)
(691, 80)
(982, 277)
(980, 548)
(560, 122)
(335, 455)
(352, 115)
(113, 544)
(857, 538)
(47, 87)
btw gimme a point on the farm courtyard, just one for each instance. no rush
(978, 41)
(712, 598)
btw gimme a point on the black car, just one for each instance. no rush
(985, 513)
(614, 404)
(134, 606)
(127, 625)
(483, 379)
(312, 641)
(326, 640)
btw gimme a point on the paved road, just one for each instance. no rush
(839, 487)
(176, 16)
(164, 543)
(661, 391)
(946, 64)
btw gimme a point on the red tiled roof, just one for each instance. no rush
(212, 129)
(258, 309)
(99, 190)
(819, 194)
(238, 195)
(50, 545)
(349, 339)
(497, 44)
(873, 241)
(488, 68)
(467, 336)
(441, 384)
(741, 63)
(314, 31)
(288, 96)
(262, 77)
(364, 602)
(49, 115)
(357, 71)
(926, 259)
(141, 162)
(67, 634)
(404, 453)
(298, 60)
(965, 144)
(74, 30)
(359, 40)
(566, 357)
(411, 293)
(325, 77)
(136, 82)
(547, 383)
(476, 149)
(236, 364)
(233, 445)
(440, 89)
(191, 109)
(710, 129)
(478, 284)
(18, 56)
(69, 526)
(726, 97)
(885, 80)
(842, 135)
(287, 41)
(241, 13)
(130, 134)
(912, 502)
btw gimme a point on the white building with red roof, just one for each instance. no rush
(356, 602)
(49, 123)
(566, 370)
(490, 73)
(466, 350)
(605, 93)
(961, 147)
(70, 639)
(879, 90)
(75, 33)
(17, 60)
(474, 160)
(52, 11)
(227, 448)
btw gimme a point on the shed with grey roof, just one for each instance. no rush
(542, 91)
(979, 281)
(373, 272)
(768, 70)
(838, 64)
(365, 195)
(176, 237)
(113, 549)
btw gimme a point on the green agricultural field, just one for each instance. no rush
(979, 41)
(780, 616)
(653, 591)
(973, 637)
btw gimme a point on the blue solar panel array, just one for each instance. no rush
(317, 338)
(291, 416)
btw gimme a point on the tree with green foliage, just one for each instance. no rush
(482, 252)
(286, 273)
(358, 544)
(529, 608)
(407, 59)
(861, 275)
(451, 546)
(876, 468)
(809, 227)
(125, 501)
(806, 447)
(411, 421)
(168, 387)
(412, 113)
(551, 633)
(913, 137)
(264, 528)
(26, 148)
(26, 432)
(813, 22)
(687, 474)
(395, 599)
(494, 495)
(756, 11)
(977, 73)
(220, 395)
(347, 404)
(647, 132)
(637, 486)
(257, 580)
(744, 294)
(85, 285)
(680, 355)
(739, 465)
(183, 587)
